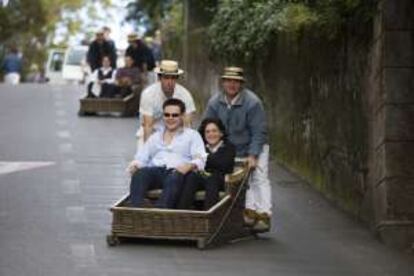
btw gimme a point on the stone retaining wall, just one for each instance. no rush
(340, 111)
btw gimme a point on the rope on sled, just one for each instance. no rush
(233, 202)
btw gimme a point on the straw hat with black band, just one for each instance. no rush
(133, 37)
(233, 73)
(168, 67)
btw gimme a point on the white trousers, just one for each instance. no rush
(259, 194)
(12, 78)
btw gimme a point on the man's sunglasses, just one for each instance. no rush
(173, 115)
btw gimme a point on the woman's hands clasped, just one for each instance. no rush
(132, 167)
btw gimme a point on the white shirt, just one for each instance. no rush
(187, 146)
(96, 88)
(232, 102)
(152, 99)
(215, 148)
(95, 75)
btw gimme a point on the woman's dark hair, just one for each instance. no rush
(215, 121)
(175, 102)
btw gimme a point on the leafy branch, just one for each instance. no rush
(241, 29)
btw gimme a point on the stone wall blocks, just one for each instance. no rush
(398, 49)
(378, 25)
(393, 160)
(398, 85)
(398, 14)
(379, 126)
(399, 158)
(397, 236)
(399, 123)
(379, 165)
(380, 201)
(400, 194)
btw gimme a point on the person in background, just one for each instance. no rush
(244, 117)
(156, 48)
(152, 98)
(102, 81)
(166, 158)
(127, 77)
(86, 71)
(156, 54)
(141, 54)
(107, 36)
(220, 161)
(34, 74)
(12, 66)
(98, 49)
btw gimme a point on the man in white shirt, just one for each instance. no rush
(153, 97)
(167, 156)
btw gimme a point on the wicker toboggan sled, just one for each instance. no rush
(221, 223)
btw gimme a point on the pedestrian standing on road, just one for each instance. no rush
(153, 97)
(166, 158)
(12, 66)
(244, 117)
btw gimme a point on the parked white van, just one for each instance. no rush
(75, 67)
(67, 65)
(54, 65)
(70, 65)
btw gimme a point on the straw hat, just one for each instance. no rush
(148, 39)
(132, 37)
(234, 73)
(168, 67)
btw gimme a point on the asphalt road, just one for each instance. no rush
(59, 174)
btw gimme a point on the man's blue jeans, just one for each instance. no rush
(147, 178)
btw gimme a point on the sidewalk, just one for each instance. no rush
(323, 239)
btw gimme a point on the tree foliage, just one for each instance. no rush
(37, 18)
(245, 29)
(241, 29)
(149, 13)
(31, 25)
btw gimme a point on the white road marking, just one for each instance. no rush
(10, 167)
(71, 186)
(60, 113)
(61, 122)
(76, 214)
(65, 148)
(83, 254)
(58, 103)
(63, 134)
(68, 165)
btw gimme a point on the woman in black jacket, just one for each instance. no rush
(220, 161)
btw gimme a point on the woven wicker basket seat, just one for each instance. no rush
(224, 218)
(127, 106)
(199, 196)
(231, 179)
